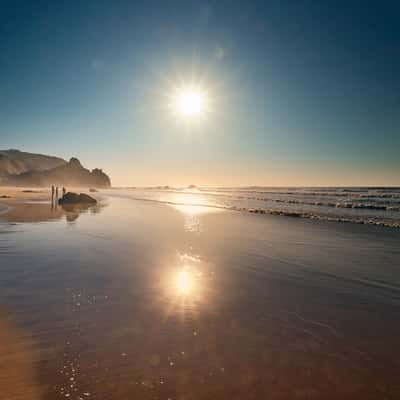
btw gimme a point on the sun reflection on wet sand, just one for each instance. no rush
(187, 288)
(189, 278)
(185, 281)
(192, 206)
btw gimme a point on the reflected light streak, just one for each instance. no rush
(192, 204)
(184, 282)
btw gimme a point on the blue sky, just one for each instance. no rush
(303, 92)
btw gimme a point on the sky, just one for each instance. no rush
(300, 93)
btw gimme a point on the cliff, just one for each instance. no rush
(26, 169)
(15, 162)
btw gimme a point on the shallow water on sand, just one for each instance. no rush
(150, 301)
(370, 206)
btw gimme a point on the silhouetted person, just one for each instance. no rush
(52, 191)
(64, 191)
(57, 193)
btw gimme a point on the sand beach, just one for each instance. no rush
(139, 299)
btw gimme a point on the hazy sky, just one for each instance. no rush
(301, 92)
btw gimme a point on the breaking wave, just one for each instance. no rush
(372, 206)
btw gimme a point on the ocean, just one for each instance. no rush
(376, 205)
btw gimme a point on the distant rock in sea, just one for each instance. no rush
(26, 169)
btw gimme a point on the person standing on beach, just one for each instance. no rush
(64, 191)
(52, 196)
(56, 192)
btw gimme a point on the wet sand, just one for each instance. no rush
(141, 300)
(36, 205)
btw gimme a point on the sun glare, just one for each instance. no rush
(189, 102)
(184, 282)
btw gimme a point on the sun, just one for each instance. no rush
(189, 102)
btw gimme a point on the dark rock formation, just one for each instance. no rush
(74, 198)
(38, 170)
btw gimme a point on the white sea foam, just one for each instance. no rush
(375, 206)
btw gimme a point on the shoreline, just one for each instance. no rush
(19, 204)
(265, 211)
